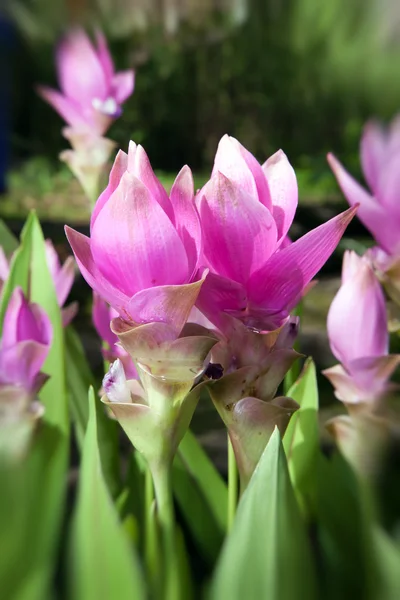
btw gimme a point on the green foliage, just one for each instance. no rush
(267, 553)
(103, 563)
(301, 440)
(33, 490)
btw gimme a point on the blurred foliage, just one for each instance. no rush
(299, 74)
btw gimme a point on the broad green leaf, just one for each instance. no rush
(8, 241)
(267, 553)
(103, 563)
(202, 496)
(301, 439)
(79, 379)
(46, 465)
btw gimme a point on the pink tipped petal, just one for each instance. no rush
(187, 221)
(169, 304)
(115, 384)
(118, 169)
(67, 108)
(373, 150)
(20, 364)
(239, 232)
(64, 280)
(279, 282)
(123, 84)
(134, 243)
(230, 162)
(139, 165)
(346, 389)
(81, 76)
(283, 188)
(102, 315)
(81, 247)
(372, 374)
(104, 57)
(10, 325)
(375, 218)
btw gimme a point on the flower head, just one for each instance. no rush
(91, 91)
(357, 330)
(246, 210)
(144, 246)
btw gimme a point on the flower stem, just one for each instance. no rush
(150, 541)
(166, 521)
(232, 484)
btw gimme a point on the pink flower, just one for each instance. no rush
(357, 330)
(91, 92)
(24, 344)
(380, 159)
(144, 247)
(62, 276)
(102, 315)
(246, 210)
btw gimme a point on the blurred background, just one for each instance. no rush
(301, 75)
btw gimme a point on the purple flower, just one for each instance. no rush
(62, 276)
(144, 247)
(357, 330)
(380, 159)
(24, 344)
(246, 210)
(91, 91)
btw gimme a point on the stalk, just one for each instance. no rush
(232, 484)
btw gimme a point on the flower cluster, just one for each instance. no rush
(196, 278)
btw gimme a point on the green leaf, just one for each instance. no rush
(103, 563)
(202, 496)
(79, 379)
(8, 241)
(46, 465)
(267, 553)
(301, 439)
(387, 554)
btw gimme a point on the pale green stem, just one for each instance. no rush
(232, 485)
(166, 520)
(150, 541)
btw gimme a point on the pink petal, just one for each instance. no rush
(346, 389)
(239, 232)
(373, 149)
(283, 189)
(357, 320)
(102, 315)
(381, 224)
(21, 363)
(263, 189)
(230, 162)
(218, 295)
(278, 284)
(118, 169)
(115, 385)
(80, 71)
(81, 247)
(169, 304)
(67, 108)
(64, 280)
(389, 186)
(139, 165)
(123, 84)
(104, 57)
(24, 321)
(134, 243)
(186, 218)
(68, 313)
(372, 374)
